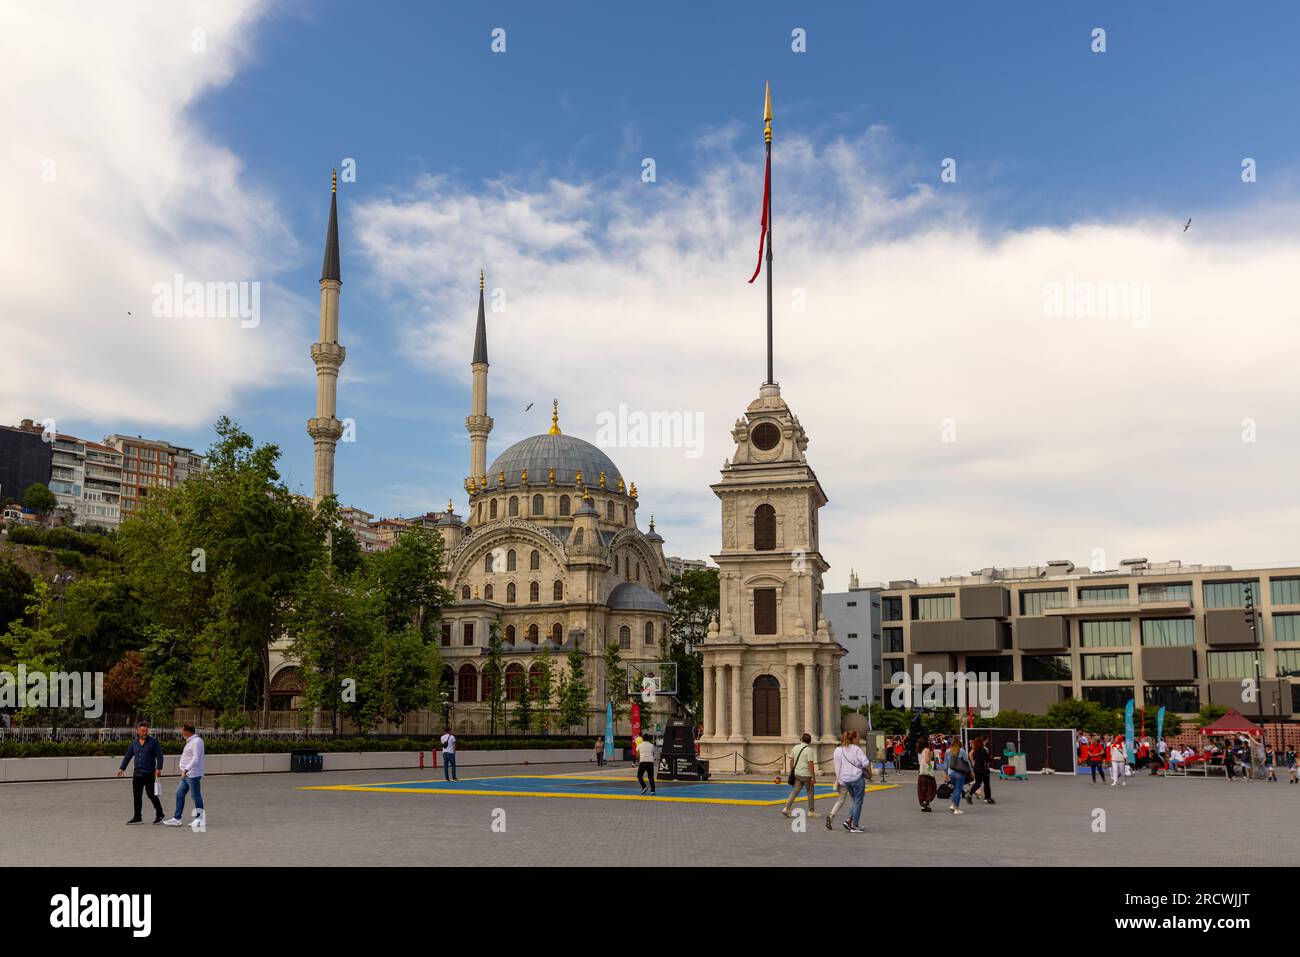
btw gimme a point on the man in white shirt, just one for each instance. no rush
(449, 756)
(191, 768)
(645, 764)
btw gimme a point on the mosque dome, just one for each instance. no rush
(630, 596)
(564, 453)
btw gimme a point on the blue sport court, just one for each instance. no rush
(750, 793)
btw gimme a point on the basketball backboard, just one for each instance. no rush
(651, 678)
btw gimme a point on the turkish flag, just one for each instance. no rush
(767, 201)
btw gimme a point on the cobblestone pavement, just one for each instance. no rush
(267, 819)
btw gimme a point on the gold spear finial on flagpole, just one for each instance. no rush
(767, 113)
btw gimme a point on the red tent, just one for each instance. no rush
(1234, 722)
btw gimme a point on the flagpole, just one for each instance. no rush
(767, 137)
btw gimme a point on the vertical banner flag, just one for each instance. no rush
(1128, 731)
(767, 201)
(1160, 724)
(609, 730)
(636, 724)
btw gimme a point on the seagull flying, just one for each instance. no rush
(1188, 224)
(530, 405)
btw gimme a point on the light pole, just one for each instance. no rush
(1255, 637)
(62, 581)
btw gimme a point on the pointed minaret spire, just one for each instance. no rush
(478, 423)
(330, 267)
(327, 354)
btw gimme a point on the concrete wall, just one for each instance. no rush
(84, 769)
(984, 601)
(1174, 663)
(1041, 634)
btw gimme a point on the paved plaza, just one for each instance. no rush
(288, 819)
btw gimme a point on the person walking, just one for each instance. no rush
(850, 768)
(1270, 762)
(980, 760)
(449, 756)
(645, 758)
(148, 756)
(1117, 761)
(600, 752)
(1229, 762)
(1096, 757)
(1292, 765)
(925, 784)
(803, 775)
(191, 768)
(958, 769)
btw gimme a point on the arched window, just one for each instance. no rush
(535, 560)
(514, 506)
(510, 634)
(539, 505)
(638, 571)
(557, 591)
(624, 514)
(616, 557)
(557, 633)
(487, 563)
(467, 684)
(577, 536)
(487, 685)
(564, 505)
(767, 706)
(487, 592)
(535, 679)
(464, 593)
(609, 512)
(663, 632)
(649, 632)
(764, 528)
(625, 637)
(510, 593)
(492, 509)
(514, 680)
(532, 633)
(510, 560)
(534, 591)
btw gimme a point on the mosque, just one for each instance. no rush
(549, 546)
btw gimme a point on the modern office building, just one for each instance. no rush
(1161, 633)
(854, 617)
(150, 464)
(25, 459)
(677, 566)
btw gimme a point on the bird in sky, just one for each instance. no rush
(530, 405)
(1188, 224)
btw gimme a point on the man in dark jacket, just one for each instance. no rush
(148, 768)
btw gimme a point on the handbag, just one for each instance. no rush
(944, 790)
(961, 765)
(793, 763)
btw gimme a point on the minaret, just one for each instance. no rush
(478, 423)
(328, 355)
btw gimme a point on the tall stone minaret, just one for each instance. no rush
(328, 355)
(478, 423)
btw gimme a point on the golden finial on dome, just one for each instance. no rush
(523, 479)
(633, 491)
(450, 510)
(334, 181)
(473, 486)
(652, 521)
(551, 479)
(555, 418)
(602, 479)
(501, 478)
(476, 591)
(578, 479)
(620, 485)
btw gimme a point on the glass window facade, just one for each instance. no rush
(1034, 602)
(1286, 591)
(1185, 699)
(893, 640)
(1103, 667)
(1105, 634)
(1286, 627)
(933, 607)
(1109, 697)
(1104, 595)
(891, 609)
(1231, 664)
(1288, 662)
(1230, 594)
(1163, 632)
(1045, 667)
(1002, 667)
(1162, 591)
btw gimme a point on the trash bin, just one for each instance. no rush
(627, 754)
(306, 761)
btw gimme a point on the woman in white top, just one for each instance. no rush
(925, 783)
(850, 765)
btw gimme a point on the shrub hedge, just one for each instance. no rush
(260, 745)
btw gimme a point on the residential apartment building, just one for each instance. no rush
(1160, 633)
(151, 464)
(854, 617)
(25, 459)
(86, 479)
(678, 566)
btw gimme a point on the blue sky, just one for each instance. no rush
(1047, 136)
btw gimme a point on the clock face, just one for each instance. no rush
(765, 436)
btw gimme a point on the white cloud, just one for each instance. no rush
(140, 193)
(1071, 433)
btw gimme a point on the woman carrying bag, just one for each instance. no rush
(958, 769)
(925, 783)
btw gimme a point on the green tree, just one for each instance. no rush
(694, 603)
(545, 693)
(494, 673)
(39, 499)
(524, 713)
(575, 693)
(1209, 714)
(36, 640)
(616, 678)
(15, 590)
(103, 620)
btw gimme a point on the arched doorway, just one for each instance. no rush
(767, 706)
